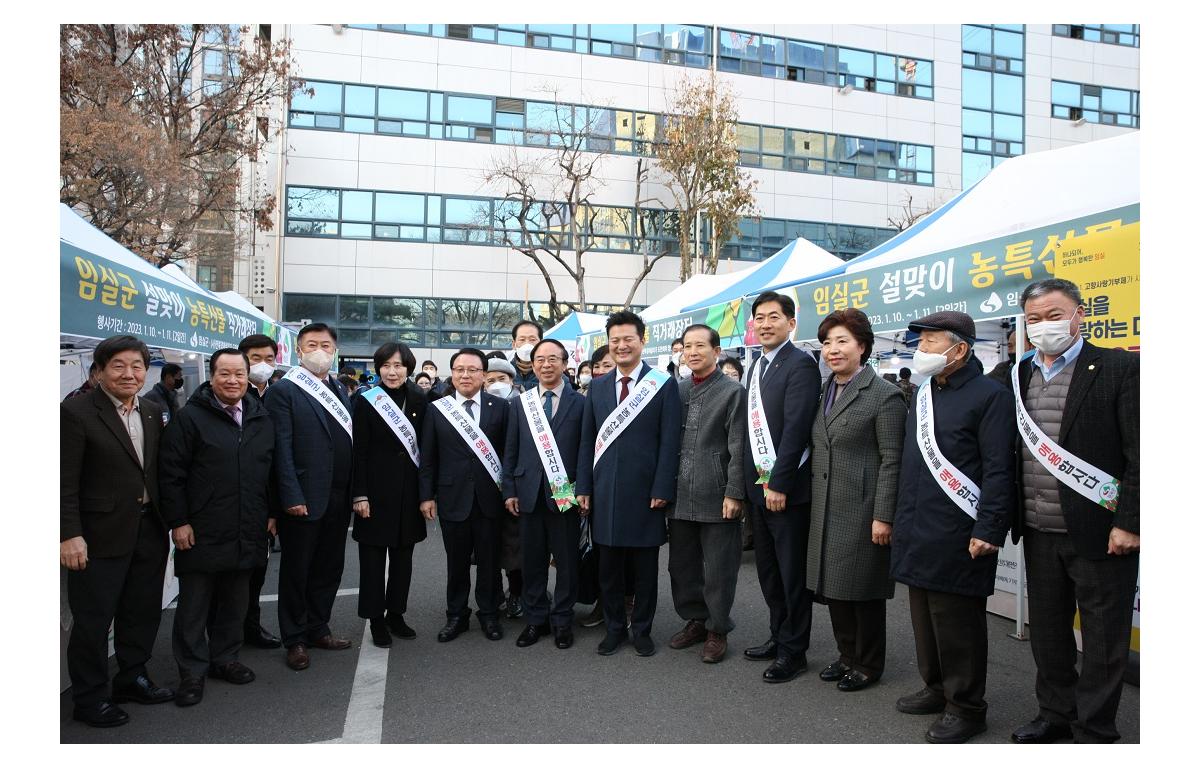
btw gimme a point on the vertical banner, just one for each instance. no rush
(1106, 265)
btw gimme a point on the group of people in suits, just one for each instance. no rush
(848, 488)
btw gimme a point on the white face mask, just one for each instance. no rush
(585, 379)
(676, 357)
(500, 389)
(1052, 337)
(260, 372)
(684, 372)
(318, 362)
(929, 363)
(524, 352)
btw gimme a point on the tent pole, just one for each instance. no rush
(1019, 632)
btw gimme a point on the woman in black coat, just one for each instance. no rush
(388, 521)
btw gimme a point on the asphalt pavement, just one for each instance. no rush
(473, 690)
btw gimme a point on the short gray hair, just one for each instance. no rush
(1042, 287)
(956, 339)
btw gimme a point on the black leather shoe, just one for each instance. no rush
(785, 668)
(381, 636)
(564, 638)
(491, 630)
(103, 714)
(856, 681)
(532, 634)
(258, 637)
(767, 650)
(234, 672)
(395, 622)
(952, 729)
(644, 645)
(515, 608)
(834, 672)
(191, 691)
(143, 691)
(453, 629)
(923, 702)
(1041, 731)
(611, 642)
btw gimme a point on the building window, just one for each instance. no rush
(993, 97)
(502, 120)
(1113, 34)
(1095, 104)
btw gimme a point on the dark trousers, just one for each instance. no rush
(860, 629)
(126, 593)
(546, 532)
(198, 639)
(1103, 590)
(703, 562)
(951, 636)
(781, 555)
(510, 552)
(614, 585)
(373, 596)
(310, 570)
(481, 535)
(258, 577)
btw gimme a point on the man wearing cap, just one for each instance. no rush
(1079, 471)
(953, 510)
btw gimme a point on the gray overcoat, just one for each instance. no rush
(855, 467)
(710, 451)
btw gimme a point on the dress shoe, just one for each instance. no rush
(191, 691)
(693, 632)
(1041, 731)
(532, 634)
(491, 629)
(714, 648)
(856, 681)
(297, 656)
(564, 638)
(234, 672)
(103, 714)
(258, 637)
(142, 691)
(834, 672)
(381, 636)
(785, 668)
(924, 702)
(767, 650)
(395, 622)
(952, 729)
(453, 628)
(644, 645)
(515, 608)
(595, 618)
(331, 643)
(611, 642)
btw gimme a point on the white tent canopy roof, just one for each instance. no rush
(794, 263)
(693, 289)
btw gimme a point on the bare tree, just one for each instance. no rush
(156, 122)
(647, 223)
(908, 215)
(698, 158)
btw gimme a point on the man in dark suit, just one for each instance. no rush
(1079, 550)
(459, 483)
(790, 386)
(162, 394)
(112, 541)
(546, 509)
(313, 456)
(628, 459)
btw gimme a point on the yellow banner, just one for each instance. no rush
(1106, 265)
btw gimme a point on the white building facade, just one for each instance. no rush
(848, 129)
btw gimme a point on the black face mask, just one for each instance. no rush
(179, 384)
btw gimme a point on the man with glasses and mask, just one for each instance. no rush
(953, 509)
(459, 481)
(313, 458)
(1081, 515)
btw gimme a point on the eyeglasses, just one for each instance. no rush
(542, 360)
(466, 371)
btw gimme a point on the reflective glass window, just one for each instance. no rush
(360, 100)
(976, 89)
(326, 97)
(400, 208)
(1009, 96)
(356, 206)
(410, 105)
(312, 203)
(466, 109)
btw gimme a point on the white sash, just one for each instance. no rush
(323, 395)
(624, 414)
(956, 485)
(762, 447)
(470, 432)
(561, 487)
(1088, 481)
(394, 417)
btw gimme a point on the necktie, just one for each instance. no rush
(548, 405)
(470, 406)
(235, 413)
(624, 388)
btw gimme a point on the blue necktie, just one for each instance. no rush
(548, 405)
(470, 405)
